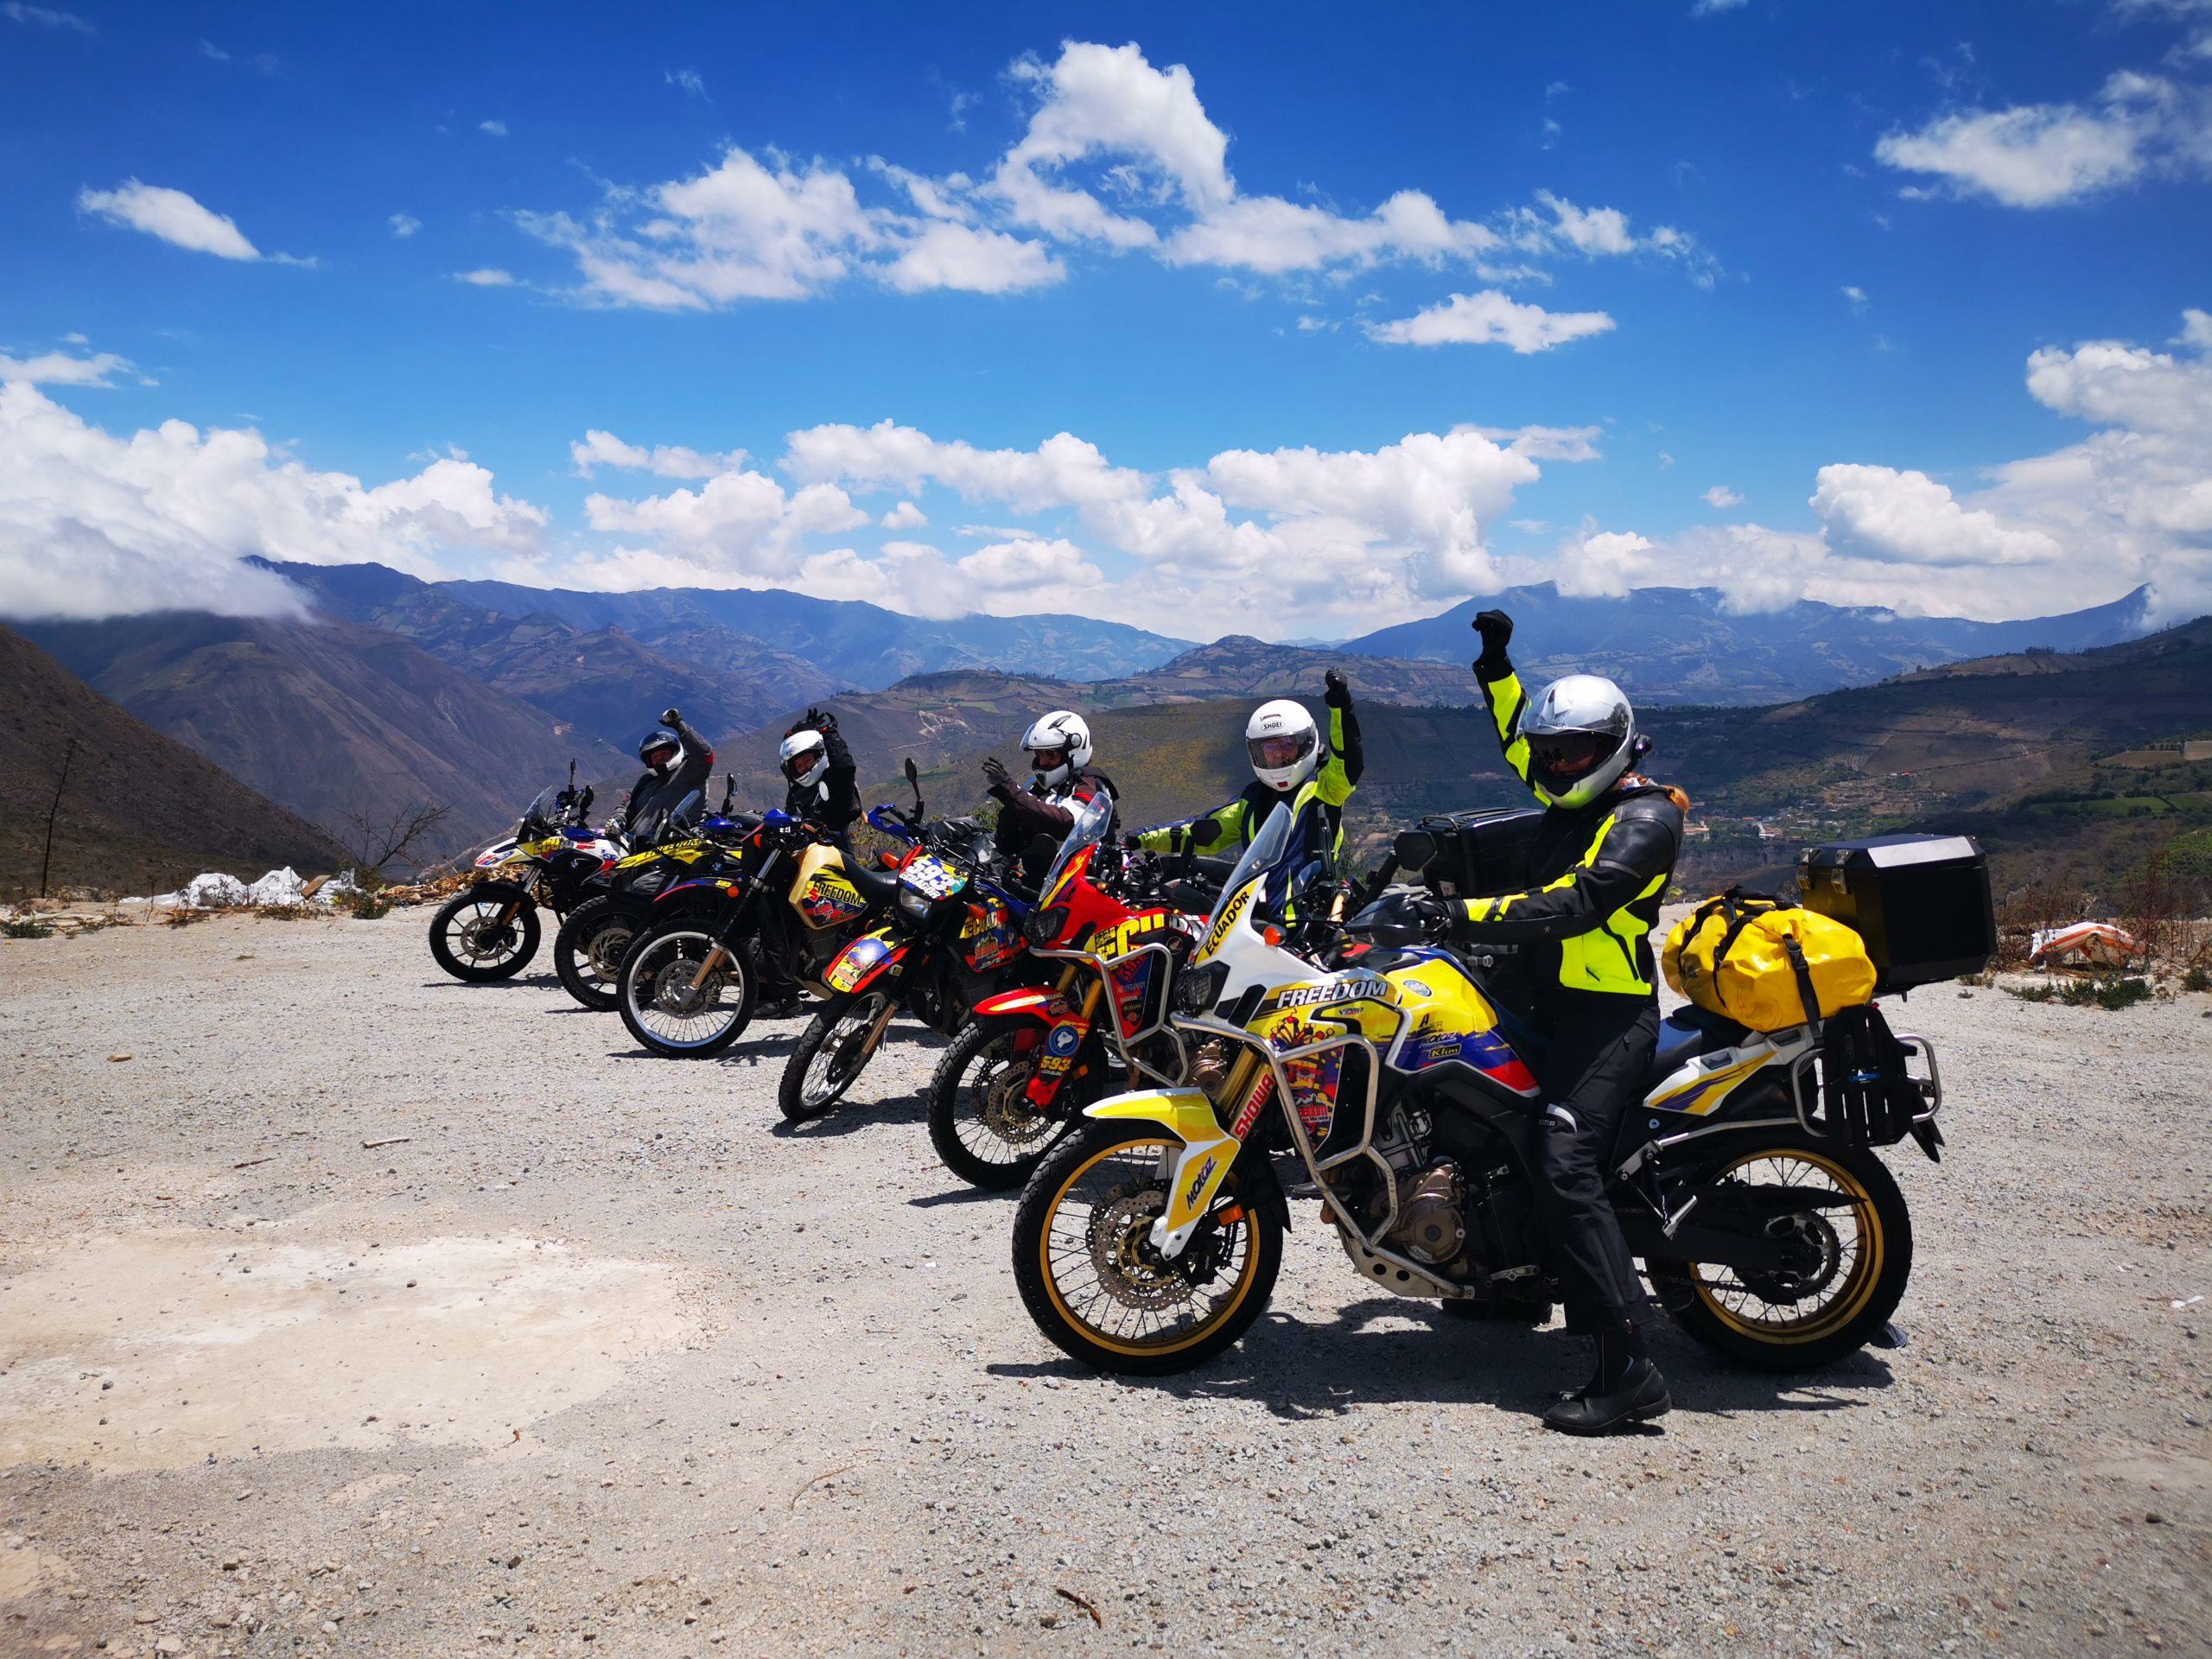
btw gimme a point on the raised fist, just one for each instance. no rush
(1496, 628)
(670, 716)
(1334, 691)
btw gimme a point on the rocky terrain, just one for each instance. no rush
(345, 1309)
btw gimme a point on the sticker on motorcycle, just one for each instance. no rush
(932, 877)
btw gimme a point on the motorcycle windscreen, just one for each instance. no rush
(545, 807)
(1270, 849)
(1091, 818)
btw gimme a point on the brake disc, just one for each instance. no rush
(674, 993)
(1005, 1107)
(1129, 1269)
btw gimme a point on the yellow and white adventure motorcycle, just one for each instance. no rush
(1150, 1242)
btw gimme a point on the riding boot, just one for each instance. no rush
(1625, 1388)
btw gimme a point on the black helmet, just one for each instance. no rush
(660, 749)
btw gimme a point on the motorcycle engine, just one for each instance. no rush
(1432, 1222)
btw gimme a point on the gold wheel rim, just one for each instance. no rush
(1869, 1251)
(1189, 1336)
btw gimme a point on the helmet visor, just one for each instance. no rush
(657, 755)
(1275, 753)
(799, 764)
(1048, 760)
(1558, 759)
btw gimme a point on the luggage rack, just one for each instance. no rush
(1886, 1128)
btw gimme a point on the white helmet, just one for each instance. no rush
(1581, 736)
(1057, 744)
(804, 756)
(1283, 742)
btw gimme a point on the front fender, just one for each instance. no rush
(499, 886)
(1205, 1162)
(699, 891)
(1031, 1001)
(864, 962)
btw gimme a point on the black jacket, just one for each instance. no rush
(834, 802)
(652, 798)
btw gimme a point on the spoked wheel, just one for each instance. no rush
(587, 951)
(833, 1050)
(484, 934)
(683, 995)
(981, 1119)
(1846, 1255)
(1091, 1278)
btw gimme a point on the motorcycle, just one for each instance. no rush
(489, 930)
(689, 982)
(596, 935)
(1029, 1060)
(954, 937)
(1150, 1242)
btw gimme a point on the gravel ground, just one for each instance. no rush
(593, 1356)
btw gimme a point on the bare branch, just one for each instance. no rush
(376, 840)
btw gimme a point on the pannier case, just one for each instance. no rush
(1480, 853)
(1920, 902)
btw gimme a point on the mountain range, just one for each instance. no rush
(139, 812)
(1684, 645)
(473, 694)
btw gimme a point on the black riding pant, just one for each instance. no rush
(1593, 1072)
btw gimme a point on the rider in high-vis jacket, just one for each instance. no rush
(1599, 872)
(1289, 763)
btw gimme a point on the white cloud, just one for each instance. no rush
(1117, 155)
(688, 80)
(486, 276)
(94, 524)
(1385, 532)
(60, 369)
(2041, 155)
(1907, 517)
(742, 525)
(946, 255)
(1722, 497)
(406, 225)
(1603, 564)
(44, 18)
(171, 215)
(497, 128)
(1490, 318)
(1714, 7)
(1030, 565)
(214, 53)
(597, 448)
(904, 516)
(1855, 296)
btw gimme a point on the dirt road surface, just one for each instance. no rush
(345, 1309)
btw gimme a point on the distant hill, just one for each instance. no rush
(844, 638)
(603, 682)
(325, 718)
(141, 811)
(2019, 751)
(1683, 646)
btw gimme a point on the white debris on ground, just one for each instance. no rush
(282, 888)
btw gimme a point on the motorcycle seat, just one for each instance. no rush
(1688, 1031)
(877, 886)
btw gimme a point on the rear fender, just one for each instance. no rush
(1201, 1166)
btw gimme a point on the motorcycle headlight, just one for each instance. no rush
(914, 907)
(1041, 927)
(1197, 989)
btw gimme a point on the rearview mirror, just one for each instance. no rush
(1414, 849)
(913, 772)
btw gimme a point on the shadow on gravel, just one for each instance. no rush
(964, 1194)
(1300, 1371)
(520, 982)
(746, 1054)
(846, 1116)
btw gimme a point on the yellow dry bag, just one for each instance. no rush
(1763, 963)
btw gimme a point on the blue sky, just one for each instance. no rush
(1797, 255)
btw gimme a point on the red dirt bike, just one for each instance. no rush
(1019, 1072)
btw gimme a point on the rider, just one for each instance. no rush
(1062, 780)
(818, 769)
(1599, 871)
(1287, 764)
(678, 762)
